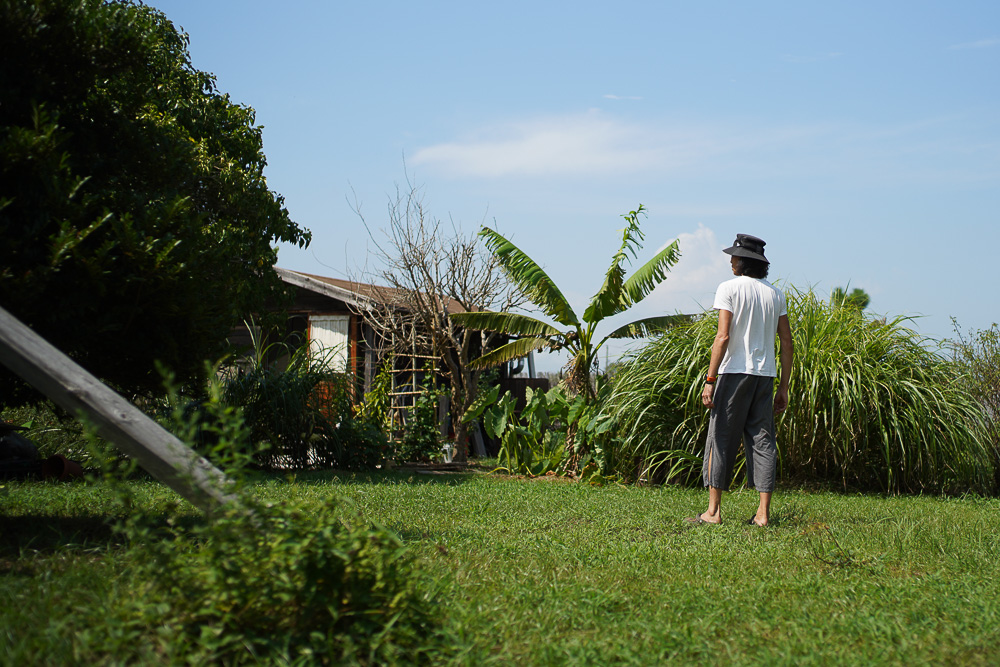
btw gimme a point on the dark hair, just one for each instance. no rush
(753, 268)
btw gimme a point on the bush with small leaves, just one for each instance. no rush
(283, 583)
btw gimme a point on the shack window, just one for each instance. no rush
(328, 336)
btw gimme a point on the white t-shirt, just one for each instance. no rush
(756, 306)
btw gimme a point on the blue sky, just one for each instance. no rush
(861, 140)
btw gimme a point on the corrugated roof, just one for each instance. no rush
(354, 293)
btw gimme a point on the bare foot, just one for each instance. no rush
(705, 517)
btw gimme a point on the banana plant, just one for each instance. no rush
(530, 441)
(577, 335)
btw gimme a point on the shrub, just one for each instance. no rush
(282, 583)
(302, 415)
(978, 355)
(258, 583)
(533, 436)
(871, 405)
(421, 436)
(532, 439)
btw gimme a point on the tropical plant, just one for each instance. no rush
(301, 415)
(533, 436)
(579, 337)
(533, 439)
(871, 405)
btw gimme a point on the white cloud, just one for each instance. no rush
(622, 97)
(606, 148)
(597, 143)
(576, 144)
(980, 44)
(690, 285)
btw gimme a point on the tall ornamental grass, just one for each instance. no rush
(301, 415)
(872, 406)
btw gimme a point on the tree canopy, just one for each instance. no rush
(136, 221)
(857, 298)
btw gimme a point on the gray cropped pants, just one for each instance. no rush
(744, 411)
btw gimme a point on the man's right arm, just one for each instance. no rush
(719, 346)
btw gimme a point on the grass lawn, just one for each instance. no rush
(553, 572)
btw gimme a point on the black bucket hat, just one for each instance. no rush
(748, 246)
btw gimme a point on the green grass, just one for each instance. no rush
(553, 572)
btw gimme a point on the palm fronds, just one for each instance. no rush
(617, 294)
(530, 278)
(511, 324)
(608, 299)
(512, 350)
(649, 326)
(650, 274)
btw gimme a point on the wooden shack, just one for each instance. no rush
(329, 313)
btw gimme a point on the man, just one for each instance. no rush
(739, 388)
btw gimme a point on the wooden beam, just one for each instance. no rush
(79, 393)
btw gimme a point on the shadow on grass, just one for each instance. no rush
(44, 533)
(50, 535)
(413, 476)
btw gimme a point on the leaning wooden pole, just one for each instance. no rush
(71, 387)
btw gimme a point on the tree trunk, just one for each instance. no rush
(578, 383)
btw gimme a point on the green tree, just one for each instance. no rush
(857, 298)
(136, 221)
(579, 335)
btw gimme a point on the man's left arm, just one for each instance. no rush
(787, 353)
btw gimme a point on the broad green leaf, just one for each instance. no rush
(576, 408)
(530, 278)
(601, 425)
(512, 350)
(648, 326)
(512, 324)
(649, 275)
(608, 299)
(482, 402)
(498, 423)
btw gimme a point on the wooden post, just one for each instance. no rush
(75, 390)
(413, 364)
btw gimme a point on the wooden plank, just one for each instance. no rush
(78, 392)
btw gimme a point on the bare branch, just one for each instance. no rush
(427, 271)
